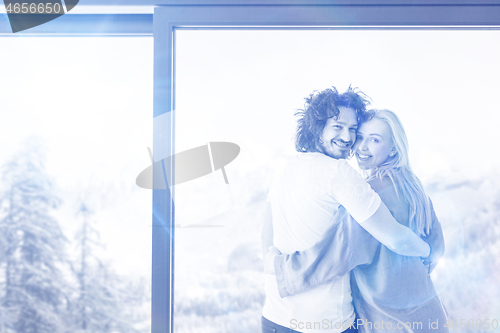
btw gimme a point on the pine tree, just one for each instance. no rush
(34, 245)
(103, 297)
(85, 238)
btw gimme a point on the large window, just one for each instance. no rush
(77, 121)
(243, 86)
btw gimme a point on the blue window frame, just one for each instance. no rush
(171, 15)
(81, 25)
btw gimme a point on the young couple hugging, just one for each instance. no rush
(345, 252)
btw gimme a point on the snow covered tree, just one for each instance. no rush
(103, 298)
(33, 245)
(85, 239)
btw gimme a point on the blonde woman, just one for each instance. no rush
(390, 292)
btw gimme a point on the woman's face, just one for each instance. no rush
(373, 144)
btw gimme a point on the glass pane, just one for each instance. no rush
(76, 230)
(244, 87)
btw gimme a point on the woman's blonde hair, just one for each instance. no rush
(398, 169)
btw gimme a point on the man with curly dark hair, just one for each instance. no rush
(322, 109)
(302, 201)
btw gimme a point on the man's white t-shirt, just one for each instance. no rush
(304, 198)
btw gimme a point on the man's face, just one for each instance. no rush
(339, 134)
